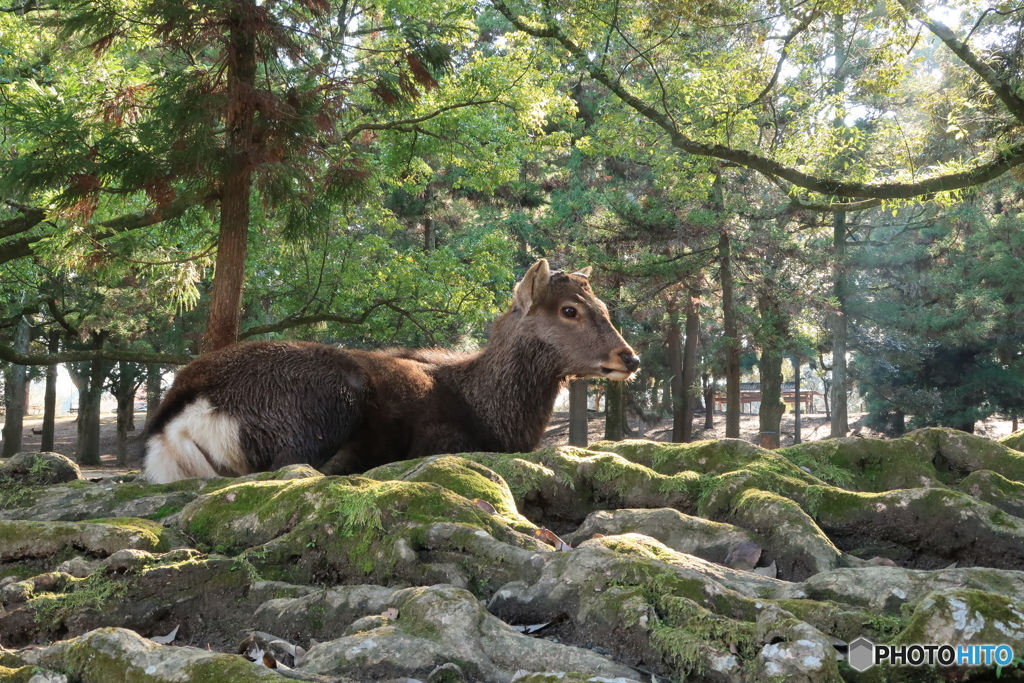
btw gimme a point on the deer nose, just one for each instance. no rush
(630, 360)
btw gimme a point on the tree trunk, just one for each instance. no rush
(675, 366)
(578, 423)
(429, 229)
(87, 450)
(232, 242)
(709, 401)
(690, 364)
(615, 412)
(125, 408)
(17, 381)
(772, 406)
(615, 398)
(154, 388)
(797, 408)
(839, 424)
(50, 397)
(825, 397)
(732, 341)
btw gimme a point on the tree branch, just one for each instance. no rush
(980, 174)
(1003, 90)
(349, 136)
(21, 248)
(8, 354)
(30, 217)
(289, 323)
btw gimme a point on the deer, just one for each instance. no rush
(261, 405)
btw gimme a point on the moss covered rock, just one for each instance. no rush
(23, 539)
(469, 479)
(703, 538)
(995, 489)
(344, 528)
(1014, 441)
(797, 544)
(866, 464)
(559, 487)
(966, 617)
(956, 454)
(428, 627)
(39, 469)
(114, 654)
(344, 561)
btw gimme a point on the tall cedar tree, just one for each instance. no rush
(227, 100)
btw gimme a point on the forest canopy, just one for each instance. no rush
(831, 188)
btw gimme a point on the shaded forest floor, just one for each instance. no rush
(814, 427)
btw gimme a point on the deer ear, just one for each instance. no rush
(532, 287)
(584, 272)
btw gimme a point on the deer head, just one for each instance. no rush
(560, 310)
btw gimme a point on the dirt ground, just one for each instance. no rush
(65, 435)
(814, 427)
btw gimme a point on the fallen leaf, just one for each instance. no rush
(169, 638)
(390, 613)
(485, 506)
(743, 556)
(549, 537)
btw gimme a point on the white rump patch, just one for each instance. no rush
(177, 452)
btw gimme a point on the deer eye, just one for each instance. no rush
(568, 312)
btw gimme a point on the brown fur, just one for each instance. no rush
(298, 402)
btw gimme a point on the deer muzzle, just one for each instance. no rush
(620, 364)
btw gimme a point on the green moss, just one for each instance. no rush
(717, 456)
(684, 635)
(472, 481)
(228, 669)
(17, 494)
(22, 538)
(866, 464)
(18, 571)
(153, 532)
(956, 454)
(165, 511)
(80, 595)
(249, 513)
(91, 660)
(326, 528)
(625, 476)
(133, 490)
(637, 545)
(19, 675)
(1014, 441)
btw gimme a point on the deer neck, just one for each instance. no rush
(512, 386)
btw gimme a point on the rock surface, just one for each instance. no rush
(627, 561)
